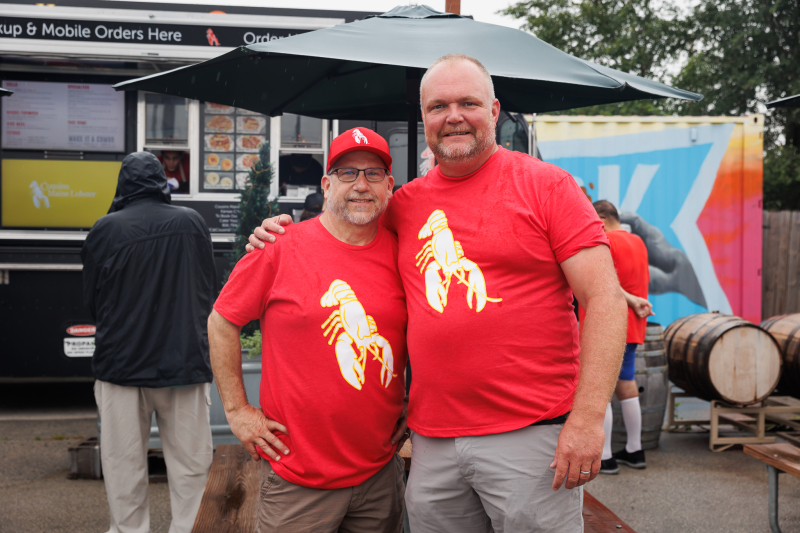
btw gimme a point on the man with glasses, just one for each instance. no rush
(332, 390)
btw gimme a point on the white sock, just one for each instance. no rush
(632, 416)
(607, 427)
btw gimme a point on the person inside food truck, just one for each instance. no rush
(299, 169)
(176, 167)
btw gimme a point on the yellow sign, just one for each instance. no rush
(57, 194)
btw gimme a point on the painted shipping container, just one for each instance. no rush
(691, 187)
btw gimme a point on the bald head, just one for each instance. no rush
(459, 112)
(452, 59)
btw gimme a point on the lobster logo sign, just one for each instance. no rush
(442, 257)
(359, 336)
(358, 136)
(38, 196)
(212, 39)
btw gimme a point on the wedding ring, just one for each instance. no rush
(584, 473)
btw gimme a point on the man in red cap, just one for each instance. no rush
(332, 412)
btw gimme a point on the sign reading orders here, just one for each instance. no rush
(86, 117)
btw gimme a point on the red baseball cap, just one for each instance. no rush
(359, 139)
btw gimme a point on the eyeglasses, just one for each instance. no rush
(349, 175)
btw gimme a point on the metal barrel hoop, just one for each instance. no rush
(693, 378)
(669, 336)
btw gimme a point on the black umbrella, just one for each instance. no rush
(5, 92)
(789, 101)
(370, 69)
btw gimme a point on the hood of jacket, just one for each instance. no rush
(141, 176)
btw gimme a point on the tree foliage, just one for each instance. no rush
(254, 207)
(739, 54)
(628, 35)
(254, 203)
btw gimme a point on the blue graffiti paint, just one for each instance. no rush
(677, 170)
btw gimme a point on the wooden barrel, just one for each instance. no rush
(786, 330)
(722, 357)
(652, 381)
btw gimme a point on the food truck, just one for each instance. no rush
(65, 132)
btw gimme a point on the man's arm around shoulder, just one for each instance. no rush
(248, 423)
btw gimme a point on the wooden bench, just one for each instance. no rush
(780, 458)
(230, 501)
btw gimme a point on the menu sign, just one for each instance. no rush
(220, 217)
(231, 139)
(86, 117)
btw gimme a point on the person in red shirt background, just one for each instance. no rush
(630, 261)
(176, 167)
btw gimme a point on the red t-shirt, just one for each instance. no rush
(328, 310)
(506, 359)
(630, 261)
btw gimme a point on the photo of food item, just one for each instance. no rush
(219, 142)
(246, 161)
(212, 160)
(251, 124)
(227, 163)
(219, 109)
(249, 143)
(219, 124)
(242, 180)
(218, 181)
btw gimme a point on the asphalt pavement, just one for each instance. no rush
(38, 423)
(686, 488)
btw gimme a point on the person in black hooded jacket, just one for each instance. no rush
(148, 276)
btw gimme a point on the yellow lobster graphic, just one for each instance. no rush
(446, 255)
(359, 330)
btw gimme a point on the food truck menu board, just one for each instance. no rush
(87, 117)
(231, 140)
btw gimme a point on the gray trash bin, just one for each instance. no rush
(220, 430)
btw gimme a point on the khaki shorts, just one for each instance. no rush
(375, 506)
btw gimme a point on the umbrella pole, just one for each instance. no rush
(412, 100)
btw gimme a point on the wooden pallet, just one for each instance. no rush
(230, 501)
(792, 437)
(750, 419)
(791, 420)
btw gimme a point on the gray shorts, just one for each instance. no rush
(501, 483)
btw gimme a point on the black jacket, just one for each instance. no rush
(148, 279)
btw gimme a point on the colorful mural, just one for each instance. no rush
(691, 187)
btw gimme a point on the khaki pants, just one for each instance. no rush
(499, 483)
(182, 414)
(375, 506)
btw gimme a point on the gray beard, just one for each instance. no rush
(339, 210)
(481, 142)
